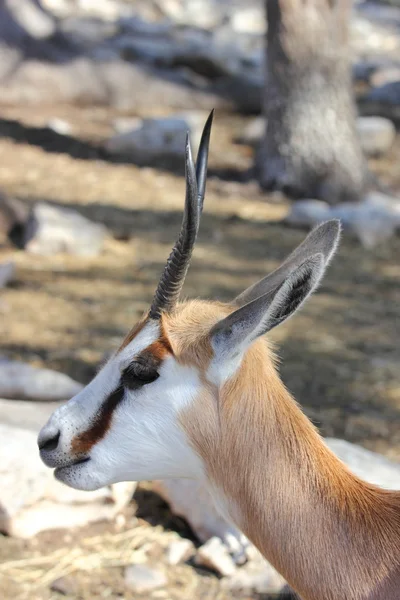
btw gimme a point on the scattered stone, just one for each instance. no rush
(214, 555)
(59, 126)
(383, 101)
(64, 586)
(141, 578)
(249, 19)
(28, 415)
(158, 142)
(192, 501)
(179, 551)
(7, 272)
(256, 576)
(25, 382)
(368, 465)
(253, 133)
(308, 213)
(376, 134)
(125, 124)
(31, 500)
(385, 75)
(51, 229)
(373, 221)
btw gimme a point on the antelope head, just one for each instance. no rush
(154, 410)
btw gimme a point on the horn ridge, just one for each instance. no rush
(173, 277)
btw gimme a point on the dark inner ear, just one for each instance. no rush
(301, 288)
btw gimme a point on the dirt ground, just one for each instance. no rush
(340, 354)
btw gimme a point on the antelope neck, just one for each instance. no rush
(331, 535)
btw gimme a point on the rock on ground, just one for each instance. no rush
(376, 134)
(256, 575)
(158, 142)
(383, 101)
(28, 415)
(307, 213)
(7, 272)
(190, 500)
(368, 465)
(141, 578)
(51, 229)
(372, 221)
(25, 382)
(31, 500)
(179, 551)
(214, 555)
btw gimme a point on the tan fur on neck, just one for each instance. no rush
(331, 535)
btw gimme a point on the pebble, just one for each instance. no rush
(7, 273)
(179, 551)
(64, 586)
(214, 555)
(141, 578)
(376, 134)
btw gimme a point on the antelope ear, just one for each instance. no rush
(232, 336)
(321, 240)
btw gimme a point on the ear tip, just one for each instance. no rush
(331, 231)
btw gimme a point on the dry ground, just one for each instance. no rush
(340, 355)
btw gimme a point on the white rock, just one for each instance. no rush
(192, 501)
(308, 213)
(179, 551)
(385, 75)
(373, 221)
(159, 142)
(51, 229)
(31, 500)
(214, 555)
(141, 578)
(199, 13)
(25, 382)
(253, 132)
(28, 415)
(7, 272)
(125, 124)
(36, 22)
(59, 126)
(249, 19)
(370, 466)
(258, 576)
(376, 134)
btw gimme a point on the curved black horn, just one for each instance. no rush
(173, 277)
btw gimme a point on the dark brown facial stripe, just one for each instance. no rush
(143, 370)
(84, 442)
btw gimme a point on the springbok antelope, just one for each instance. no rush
(193, 392)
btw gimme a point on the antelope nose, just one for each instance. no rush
(48, 439)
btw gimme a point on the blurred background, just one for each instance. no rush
(96, 98)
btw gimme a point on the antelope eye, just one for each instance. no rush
(138, 374)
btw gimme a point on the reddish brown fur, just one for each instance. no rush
(333, 536)
(83, 442)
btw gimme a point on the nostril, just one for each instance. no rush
(49, 443)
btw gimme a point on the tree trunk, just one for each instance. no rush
(311, 148)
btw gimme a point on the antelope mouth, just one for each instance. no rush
(75, 463)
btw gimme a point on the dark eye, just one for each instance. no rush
(137, 374)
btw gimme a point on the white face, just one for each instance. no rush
(101, 437)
